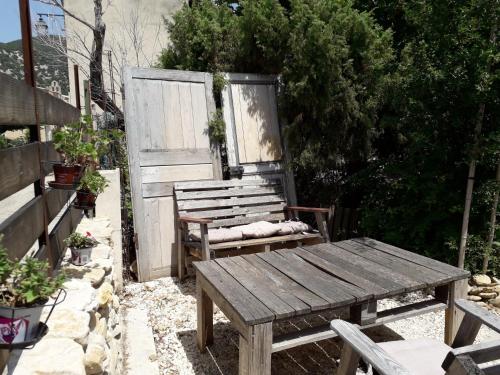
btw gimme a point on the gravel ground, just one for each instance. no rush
(171, 307)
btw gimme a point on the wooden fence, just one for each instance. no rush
(20, 167)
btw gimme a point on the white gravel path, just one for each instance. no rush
(171, 307)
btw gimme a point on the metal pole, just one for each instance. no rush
(35, 131)
(77, 86)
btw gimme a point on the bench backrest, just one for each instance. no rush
(231, 202)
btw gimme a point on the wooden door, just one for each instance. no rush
(166, 118)
(255, 148)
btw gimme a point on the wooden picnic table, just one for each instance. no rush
(254, 291)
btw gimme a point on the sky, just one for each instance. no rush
(10, 25)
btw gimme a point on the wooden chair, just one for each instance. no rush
(425, 356)
(223, 204)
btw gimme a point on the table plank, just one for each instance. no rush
(414, 271)
(311, 280)
(277, 287)
(455, 272)
(354, 278)
(314, 301)
(387, 271)
(360, 293)
(248, 279)
(249, 308)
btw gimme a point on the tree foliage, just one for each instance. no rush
(378, 100)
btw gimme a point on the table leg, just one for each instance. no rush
(205, 318)
(256, 350)
(453, 316)
(363, 314)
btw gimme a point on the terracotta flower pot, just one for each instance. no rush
(85, 199)
(67, 175)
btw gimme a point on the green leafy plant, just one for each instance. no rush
(217, 127)
(26, 283)
(80, 241)
(93, 182)
(76, 143)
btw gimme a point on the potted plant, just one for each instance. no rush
(25, 288)
(81, 247)
(91, 185)
(74, 144)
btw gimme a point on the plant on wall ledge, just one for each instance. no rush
(25, 288)
(91, 185)
(76, 145)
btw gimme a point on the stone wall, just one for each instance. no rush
(485, 291)
(85, 330)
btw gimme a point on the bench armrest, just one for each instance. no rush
(488, 319)
(308, 209)
(357, 344)
(197, 220)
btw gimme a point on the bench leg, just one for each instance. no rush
(453, 316)
(205, 318)
(255, 352)
(349, 361)
(181, 256)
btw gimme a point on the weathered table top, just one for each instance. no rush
(280, 284)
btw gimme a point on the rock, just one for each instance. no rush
(101, 327)
(496, 280)
(105, 294)
(495, 302)
(94, 275)
(105, 264)
(486, 295)
(94, 359)
(474, 298)
(482, 304)
(116, 302)
(99, 252)
(50, 356)
(497, 289)
(70, 323)
(481, 280)
(80, 295)
(475, 291)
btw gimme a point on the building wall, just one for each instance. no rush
(135, 35)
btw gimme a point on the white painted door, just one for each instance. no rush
(166, 118)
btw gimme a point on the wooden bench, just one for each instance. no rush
(223, 204)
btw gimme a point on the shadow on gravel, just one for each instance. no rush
(317, 358)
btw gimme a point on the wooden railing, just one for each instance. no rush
(22, 166)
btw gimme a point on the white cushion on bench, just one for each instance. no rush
(293, 227)
(218, 235)
(259, 229)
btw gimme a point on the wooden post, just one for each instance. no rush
(205, 312)
(181, 251)
(255, 351)
(453, 316)
(35, 132)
